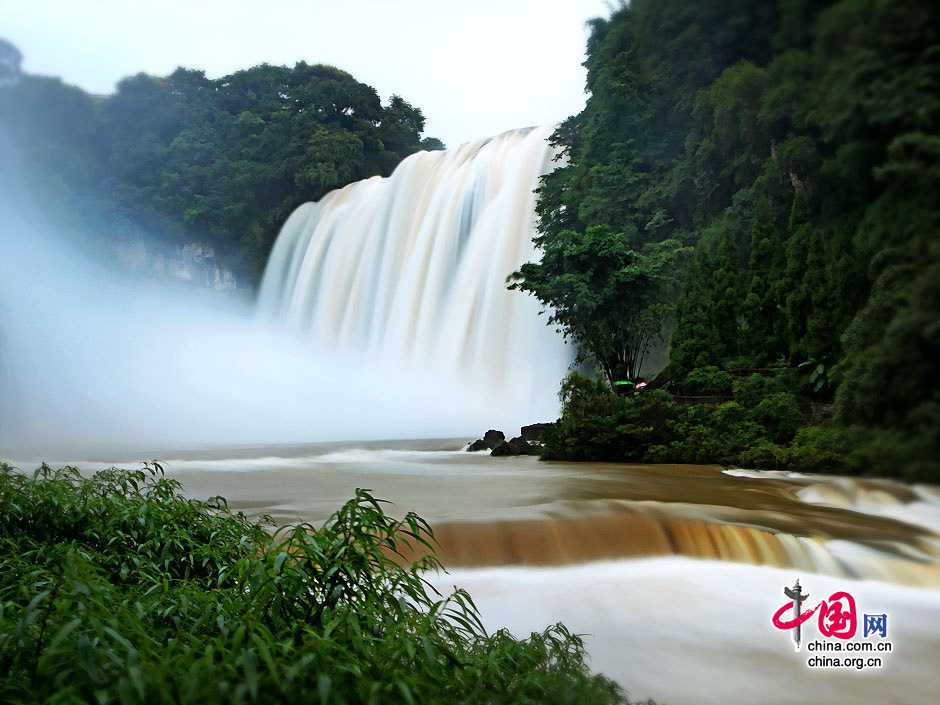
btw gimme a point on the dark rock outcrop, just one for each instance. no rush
(520, 446)
(493, 438)
(502, 450)
(515, 446)
(533, 432)
(496, 442)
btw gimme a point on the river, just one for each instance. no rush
(672, 572)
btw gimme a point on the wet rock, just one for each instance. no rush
(533, 432)
(519, 446)
(502, 450)
(496, 442)
(515, 446)
(493, 438)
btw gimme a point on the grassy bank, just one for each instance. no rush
(117, 589)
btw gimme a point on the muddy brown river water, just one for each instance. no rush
(671, 571)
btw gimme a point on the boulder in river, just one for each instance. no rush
(496, 442)
(493, 438)
(521, 446)
(502, 450)
(515, 446)
(533, 432)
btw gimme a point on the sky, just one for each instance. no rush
(476, 68)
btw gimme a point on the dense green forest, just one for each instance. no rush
(784, 158)
(184, 157)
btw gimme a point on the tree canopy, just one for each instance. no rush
(607, 295)
(185, 157)
(795, 146)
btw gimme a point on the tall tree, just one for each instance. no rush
(609, 296)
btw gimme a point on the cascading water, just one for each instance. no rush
(396, 287)
(412, 269)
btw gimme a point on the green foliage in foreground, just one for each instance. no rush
(116, 589)
(761, 427)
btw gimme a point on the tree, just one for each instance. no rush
(611, 298)
(184, 157)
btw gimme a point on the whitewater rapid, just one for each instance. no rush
(412, 269)
(696, 632)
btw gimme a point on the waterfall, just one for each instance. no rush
(411, 269)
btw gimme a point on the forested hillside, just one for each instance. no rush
(794, 147)
(185, 157)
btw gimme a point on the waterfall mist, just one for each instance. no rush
(406, 328)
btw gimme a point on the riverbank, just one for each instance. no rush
(763, 427)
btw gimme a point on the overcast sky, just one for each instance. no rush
(475, 67)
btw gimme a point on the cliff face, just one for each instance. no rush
(194, 263)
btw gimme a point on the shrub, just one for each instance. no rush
(731, 423)
(707, 434)
(762, 428)
(749, 391)
(597, 424)
(729, 415)
(660, 453)
(780, 416)
(707, 381)
(890, 452)
(828, 448)
(739, 362)
(765, 455)
(116, 589)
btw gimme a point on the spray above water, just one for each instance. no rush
(395, 286)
